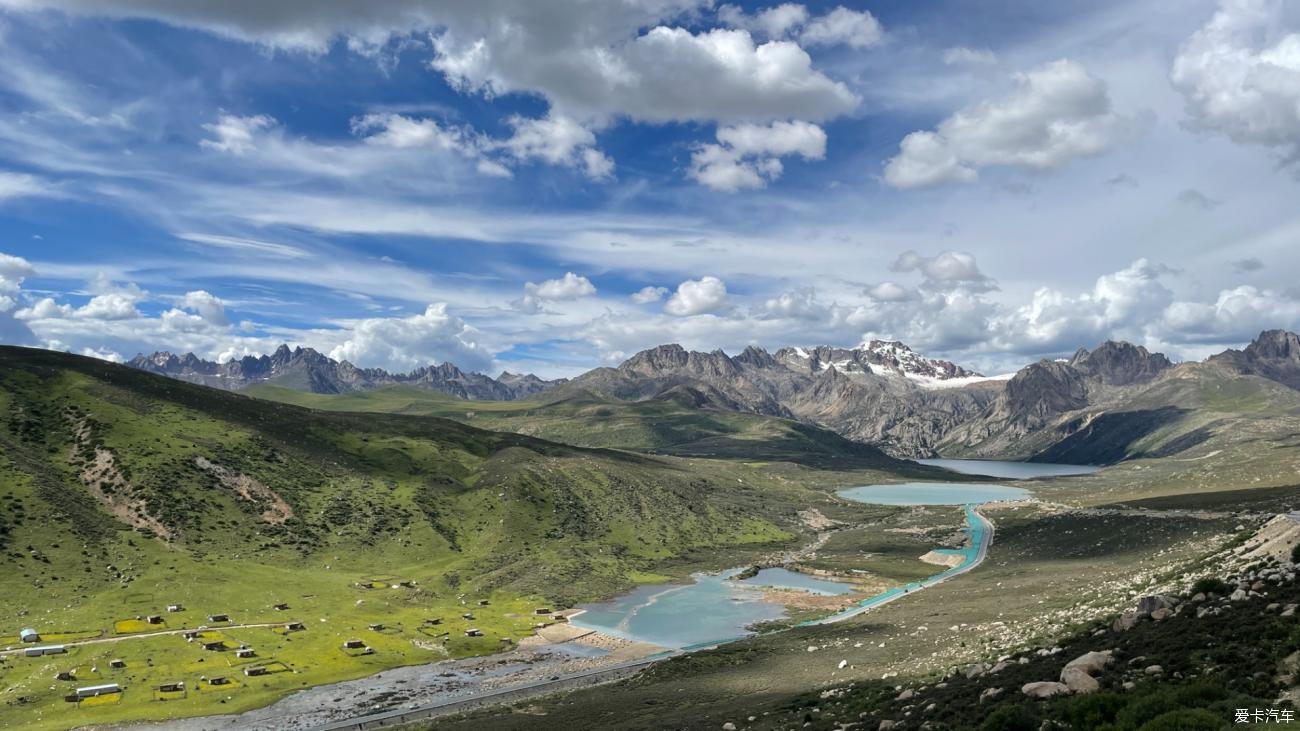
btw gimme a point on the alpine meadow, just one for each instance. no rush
(649, 365)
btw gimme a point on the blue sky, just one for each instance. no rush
(551, 186)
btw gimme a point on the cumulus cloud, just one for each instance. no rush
(406, 343)
(13, 271)
(234, 134)
(840, 26)
(557, 140)
(749, 155)
(396, 130)
(569, 287)
(697, 297)
(853, 28)
(889, 292)
(1236, 315)
(800, 304)
(1240, 75)
(944, 270)
(647, 295)
(1056, 113)
(588, 59)
(208, 306)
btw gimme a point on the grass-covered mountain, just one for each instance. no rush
(680, 422)
(124, 491)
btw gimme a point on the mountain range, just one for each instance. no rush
(308, 370)
(1093, 407)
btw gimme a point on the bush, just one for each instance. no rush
(1212, 585)
(1197, 719)
(1011, 718)
(1295, 553)
(1091, 711)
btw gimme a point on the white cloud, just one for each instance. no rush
(889, 292)
(570, 286)
(1236, 315)
(962, 56)
(647, 295)
(13, 270)
(841, 26)
(1055, 114)
(853, 28)
(947, 269)
(1240, 75)
(800, 304)
(748, 155)
(556, 140)
(208, 306)
(774, 22)
(406, 343)
(697, 297)
(396, 130)
(22, 185)
(236, 243)
(234, 134)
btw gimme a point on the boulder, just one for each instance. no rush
(1153, 670)
(1125, 621)
(906, 695)
(1288, 610)
(1162, 614)
(1238, 595)
(1149, 604)
(1078, 673)
(1079, 682)
(886, 725)
(990, 694)
(728, 726)
(1044, 689)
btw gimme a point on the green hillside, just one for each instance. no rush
(124, 492)
(673, 425)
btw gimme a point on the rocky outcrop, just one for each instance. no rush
(1274, 355)
(1079, 675)
(1119, 364)
(1044, 689)
(308, 370)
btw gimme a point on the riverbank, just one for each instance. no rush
(558, 651)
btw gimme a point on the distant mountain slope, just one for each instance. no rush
(678, 422)
(305, 369)
(1274, 355)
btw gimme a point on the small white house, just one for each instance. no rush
(29, 635)
(45, 650)
(92, 691)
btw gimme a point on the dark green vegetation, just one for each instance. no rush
(123, 492)
(675, 424)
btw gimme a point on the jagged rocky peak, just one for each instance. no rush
(879, 357)
(672, 359)
(1119, 363)
(1040, 391)
(1276, 345)
(307, 369)
(1274, 354)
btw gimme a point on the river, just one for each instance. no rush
(715, 608)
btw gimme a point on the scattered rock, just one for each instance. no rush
(906, 695)
(1149, 604)
(1044, 689)
(1125, 621)
(728, 726)
(990, 694)
(1289, 610)
(1153, 670)
(1238, 595)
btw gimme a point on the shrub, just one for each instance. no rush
(1197, 719)
(1212, 585)
(1011, 718)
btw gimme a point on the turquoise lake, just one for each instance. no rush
(715, 608)
(932, 493)
(1009, 470)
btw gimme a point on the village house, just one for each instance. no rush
(245, 652)
(117, 663)
(172, 687)
(295, 627)
(154, 619)
(353, 645)
(218, 681)
(93, 691)
(256, 670)
(217, 646)
(175, 608)
(65, 675)
(45, 650)
(473, 633)
(29, 635)
(218, 617)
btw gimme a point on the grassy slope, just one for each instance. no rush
(667, 426)
(467, 514)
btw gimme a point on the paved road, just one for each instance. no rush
(141, 636)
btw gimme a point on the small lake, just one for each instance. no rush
(1010, 470)
(933, 493)
(787, 579)
(714, 608)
